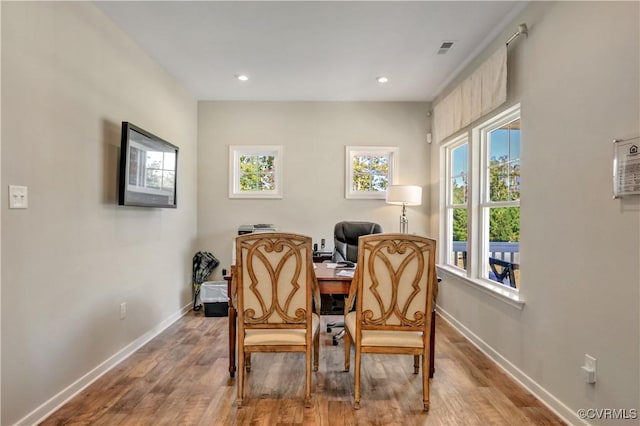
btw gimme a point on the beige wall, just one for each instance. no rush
(577, 79)
(69, 77)
(314, 136)
(0, 221)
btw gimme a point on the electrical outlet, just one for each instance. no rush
(589, 369)
(123, 310)
(18, 197)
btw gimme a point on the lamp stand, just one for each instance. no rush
(404, 222)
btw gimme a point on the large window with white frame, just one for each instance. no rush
(482, 201)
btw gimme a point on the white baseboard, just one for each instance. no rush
(57, 401)
(554, 404)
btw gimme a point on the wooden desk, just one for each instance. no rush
(329, 283)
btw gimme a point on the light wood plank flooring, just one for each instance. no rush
(181, 378)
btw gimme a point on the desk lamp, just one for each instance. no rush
(404, 195)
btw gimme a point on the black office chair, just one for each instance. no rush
(345, 239)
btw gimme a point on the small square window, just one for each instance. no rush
(370, 170)
(255, 171)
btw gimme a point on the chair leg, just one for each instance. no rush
(416, 364)
(356, 393)
(316, 351)
(247, 361)
(240, 379)
(425, 381)
(432, 345)
(347, 351)
(307, 386)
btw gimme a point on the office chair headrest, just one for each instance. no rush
(346, 236)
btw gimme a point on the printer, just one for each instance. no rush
(259, 227)
(251, 229)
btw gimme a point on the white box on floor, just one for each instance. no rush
(214, 297)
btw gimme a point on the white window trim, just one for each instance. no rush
(351, 151)
(446, 202)
(235, 151)
(473, 276)
(482, 201)
(500, 292)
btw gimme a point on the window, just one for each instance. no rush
(369, 170)
(481, 202)
(255, 171)
(500, 200)
(457, 230)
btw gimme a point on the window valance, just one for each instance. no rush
(481, 92)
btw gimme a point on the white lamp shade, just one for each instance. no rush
(409, 195)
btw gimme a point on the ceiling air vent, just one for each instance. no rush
(444, 47)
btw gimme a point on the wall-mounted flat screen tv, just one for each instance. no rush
(148, 169)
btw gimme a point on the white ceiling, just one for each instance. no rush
(312, 50)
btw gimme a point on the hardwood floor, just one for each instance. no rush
(181, 378)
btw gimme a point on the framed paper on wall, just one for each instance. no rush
(626, 167)
(255, 171)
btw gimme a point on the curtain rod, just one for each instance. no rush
(522, 29)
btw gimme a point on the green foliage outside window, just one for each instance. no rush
(459, 187)
(460, 225)
(504, 179)
(370, 173)
(257, 172)
(504, 224)
(504, 185)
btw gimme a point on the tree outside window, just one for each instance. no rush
(257, 173)
(504, 182)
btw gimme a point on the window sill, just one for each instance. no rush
(506, 295)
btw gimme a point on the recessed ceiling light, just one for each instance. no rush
(242, 77)
(382, 79)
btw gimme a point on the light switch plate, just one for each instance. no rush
(18, 198)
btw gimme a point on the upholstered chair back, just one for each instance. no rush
(396, 270)
(274, 275)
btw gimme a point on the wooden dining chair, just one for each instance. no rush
(276, 290)
(393, 289)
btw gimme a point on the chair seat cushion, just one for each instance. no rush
(283, 337)
(405, 339)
